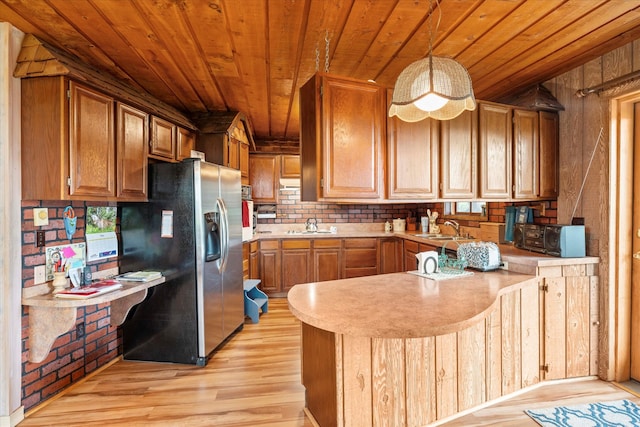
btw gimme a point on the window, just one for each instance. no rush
(466, 210)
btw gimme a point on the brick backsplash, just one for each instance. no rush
(290, 210)
(71, 357)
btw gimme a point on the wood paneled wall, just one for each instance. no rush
(580, 126)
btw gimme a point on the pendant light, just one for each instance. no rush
(434, 87)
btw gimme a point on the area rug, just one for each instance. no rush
(617, 413)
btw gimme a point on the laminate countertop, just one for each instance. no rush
(401, 305)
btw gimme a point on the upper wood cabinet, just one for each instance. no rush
(91, 143)
(518, 153)
(163, 139)
(412, 154)
(458, 156)
(185, 143)
(68, 141)
(289, 166)
(132, 136)
(226, 138)
(243, 161)
(548, 155)
(342, 135)
(495, 140)
(525, 154)
(86, 144)
(264, 171)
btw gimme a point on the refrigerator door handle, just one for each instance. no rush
(224, 234)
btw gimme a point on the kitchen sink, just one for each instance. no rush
(452, 238)
(442, 237)
(309, 232)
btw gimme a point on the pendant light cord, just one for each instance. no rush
(431, 37)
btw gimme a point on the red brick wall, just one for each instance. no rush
(291, 210)
(71, 357)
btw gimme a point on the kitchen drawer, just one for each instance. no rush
(361, 243)
(411, 246)
(327, 243)
(361, 258)
(269, 244)
(254, 246)
(296, 244)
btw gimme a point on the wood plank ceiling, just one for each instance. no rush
(253, 55)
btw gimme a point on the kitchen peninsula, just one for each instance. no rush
(403, 350)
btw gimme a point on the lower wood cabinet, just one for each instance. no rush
(390, 253)
(250, 260)
(326, 262)
(360, 257)
(570, 321)
(284, 263)
(296, 263)
(245, 260)
(412, 248)
(270, 266)
(254, 260)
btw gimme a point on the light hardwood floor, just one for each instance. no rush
(254, 380)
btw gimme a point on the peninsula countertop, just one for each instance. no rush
(401, 305)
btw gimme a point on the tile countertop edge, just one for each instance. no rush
(402, 305)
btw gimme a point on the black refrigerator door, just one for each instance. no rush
(164, 326)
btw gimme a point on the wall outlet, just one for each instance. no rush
(40, 238)
(39, 274)
(80, 330)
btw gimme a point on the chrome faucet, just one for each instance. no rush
(454, 224)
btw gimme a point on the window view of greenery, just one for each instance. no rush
(466, 210)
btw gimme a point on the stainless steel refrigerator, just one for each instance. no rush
(191, 231)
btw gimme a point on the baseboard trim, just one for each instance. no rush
(14, 419)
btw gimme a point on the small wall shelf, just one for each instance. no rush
(50, 317)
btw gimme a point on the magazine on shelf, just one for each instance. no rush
(141, 276)
(90, 291)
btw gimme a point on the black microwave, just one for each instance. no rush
(566, 241)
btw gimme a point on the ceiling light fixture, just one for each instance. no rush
(434, 87)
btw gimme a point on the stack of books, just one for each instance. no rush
(141, 276)
(90, 291)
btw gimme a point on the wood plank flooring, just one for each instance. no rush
(254, 380)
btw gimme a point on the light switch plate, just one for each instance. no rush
(40, 216)
(39, 274)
